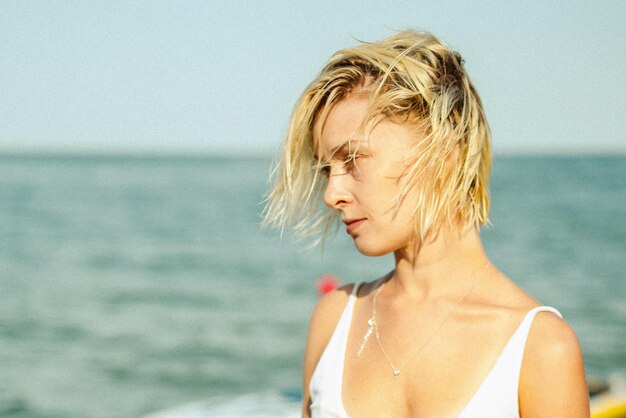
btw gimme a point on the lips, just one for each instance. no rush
(353, 224)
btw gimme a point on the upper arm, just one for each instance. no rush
(552, 380)
(321, 327)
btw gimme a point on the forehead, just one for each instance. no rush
(339, 124)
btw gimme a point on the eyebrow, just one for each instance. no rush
(338, 148)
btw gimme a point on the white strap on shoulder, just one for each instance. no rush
(355, 288)
(524, 327)
(538, 309)
(521, 334)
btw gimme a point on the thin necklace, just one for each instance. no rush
(373, 328)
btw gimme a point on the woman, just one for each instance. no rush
(392, 137)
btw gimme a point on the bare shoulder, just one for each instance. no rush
(553, 334)
(321, 327)
(326, 315)
(552, 380)
(551, 343)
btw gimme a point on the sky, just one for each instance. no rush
(222, 76)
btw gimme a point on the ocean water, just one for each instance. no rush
(143, 286)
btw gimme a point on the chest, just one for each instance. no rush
(439, 368)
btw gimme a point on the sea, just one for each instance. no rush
(144, 286)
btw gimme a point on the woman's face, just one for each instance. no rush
(364, 176)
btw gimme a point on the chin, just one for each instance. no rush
(371, 250)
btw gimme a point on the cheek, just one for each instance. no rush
(379, 189)
(398, 216)
(384, 195)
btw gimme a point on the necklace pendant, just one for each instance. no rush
(372, 323)
(396, 372)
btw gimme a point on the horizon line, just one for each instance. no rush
(248, 153)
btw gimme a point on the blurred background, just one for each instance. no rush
(136, 139)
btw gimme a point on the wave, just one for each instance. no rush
(285, 404)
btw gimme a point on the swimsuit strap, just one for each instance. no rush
(498, 395)
(517, 344)
(524, 327)
(355, 288)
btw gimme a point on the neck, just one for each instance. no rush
(441, 267)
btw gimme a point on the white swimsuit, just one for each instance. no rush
(496, 397)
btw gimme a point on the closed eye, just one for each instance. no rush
(320, 167)
(351, 160)
(348, 164)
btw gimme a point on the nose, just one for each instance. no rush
(337, 194)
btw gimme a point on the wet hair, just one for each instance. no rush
(411, 77)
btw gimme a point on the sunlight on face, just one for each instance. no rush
(364, 175)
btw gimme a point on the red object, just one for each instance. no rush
(327, 283)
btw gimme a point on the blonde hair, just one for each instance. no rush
(414, 78)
